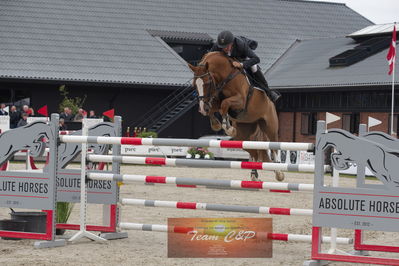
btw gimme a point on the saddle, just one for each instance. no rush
(252, 80)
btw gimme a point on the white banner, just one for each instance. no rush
(229, 153)
(296, 157)
(153, 151)
(91, 122)
(35, 119)
(4, 123)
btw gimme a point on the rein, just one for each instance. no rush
(214, 86)
(215, 89)
(211, 82)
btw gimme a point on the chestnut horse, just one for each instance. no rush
(225, 89)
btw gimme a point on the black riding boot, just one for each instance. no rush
(260, 79)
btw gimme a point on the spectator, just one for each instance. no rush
(15, 115)
(62, 124)
(67, 114)
(31, 112)
(92, 114)
(80, 115)
(25, 109)
(22, 122)
(2, 111)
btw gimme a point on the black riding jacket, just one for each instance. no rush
(241, 52)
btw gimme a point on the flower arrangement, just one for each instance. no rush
(143, 133)
(147, 134)
(198, 152)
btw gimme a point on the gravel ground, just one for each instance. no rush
(150, 248)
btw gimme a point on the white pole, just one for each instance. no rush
(335, 183)
(333, 242)
(83, 195)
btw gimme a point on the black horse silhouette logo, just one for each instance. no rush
(69, 151)
(378, 151)
(29, 137)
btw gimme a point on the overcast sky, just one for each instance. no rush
(378, 11)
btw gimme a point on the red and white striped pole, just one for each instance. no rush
(187, 230)
(194, 182)
(216, 207)
(249, 145)
(205, 163)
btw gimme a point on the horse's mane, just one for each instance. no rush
(206, 56)
(216, 53)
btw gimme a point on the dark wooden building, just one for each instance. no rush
(132, 55)
(347, 76)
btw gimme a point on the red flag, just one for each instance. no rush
(43, 111)
(392, 52)
(110, 113)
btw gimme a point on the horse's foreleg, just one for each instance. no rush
(235, 102)
(230, 130)
(215, 123)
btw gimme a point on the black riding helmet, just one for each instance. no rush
(225, 38)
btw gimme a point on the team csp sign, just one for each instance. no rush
(365, 206)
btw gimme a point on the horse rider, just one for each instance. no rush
(237, 47)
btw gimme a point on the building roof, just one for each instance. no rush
(112, 41)
(306, 65)
(373, 30)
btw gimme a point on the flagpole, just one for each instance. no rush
(393, 97)
(393, 91)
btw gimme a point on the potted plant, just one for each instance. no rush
(73, 103)
(199, 152)
(64, 210)
(147, 134)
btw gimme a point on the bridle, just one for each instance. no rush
(214, 88)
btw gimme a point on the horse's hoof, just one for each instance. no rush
(231, 132)
(254, 177)
(216, 127)
(279, 176)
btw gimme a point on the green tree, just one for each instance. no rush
(73, 103)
